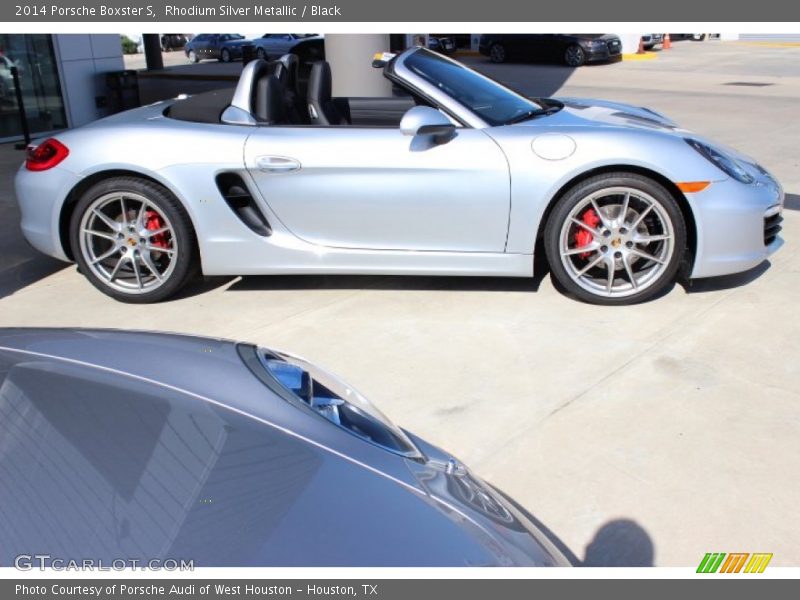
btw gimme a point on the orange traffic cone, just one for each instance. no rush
(641, 47)
(667, 43)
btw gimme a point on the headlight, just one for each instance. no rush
(724, 162)
(311, 388)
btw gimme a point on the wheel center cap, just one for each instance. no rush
(616, 242)
(132, 242)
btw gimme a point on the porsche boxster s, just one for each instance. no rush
(459, 176)
(154, 447)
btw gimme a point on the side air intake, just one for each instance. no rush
(234, 190)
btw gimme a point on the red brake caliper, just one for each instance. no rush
(153, 222)
(584, 237)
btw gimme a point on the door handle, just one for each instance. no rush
(277, 164)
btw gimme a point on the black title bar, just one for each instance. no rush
(453, 11)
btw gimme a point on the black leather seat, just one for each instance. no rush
(286, 69)
(269, 101)
(321, 108)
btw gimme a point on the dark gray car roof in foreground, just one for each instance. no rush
(140, 445)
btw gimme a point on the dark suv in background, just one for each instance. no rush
(572, 49)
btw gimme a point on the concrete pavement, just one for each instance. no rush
(639, 435)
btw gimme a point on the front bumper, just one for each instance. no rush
(737, 225)
(600, 53)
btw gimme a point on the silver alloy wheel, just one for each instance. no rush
(226, 55)
(497, 53)
(261, 54)
(121, 250)
(193, 56)
(574, 56)
(630, 245)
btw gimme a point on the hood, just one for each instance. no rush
(605, 112)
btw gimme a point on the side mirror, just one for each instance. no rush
(424, 120)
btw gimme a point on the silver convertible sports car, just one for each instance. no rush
(458, 176)
(159, 447)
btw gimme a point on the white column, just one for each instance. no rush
(350, 57)
(630, 42)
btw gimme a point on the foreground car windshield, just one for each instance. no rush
(488, 99)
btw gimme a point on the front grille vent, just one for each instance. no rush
(772, 227)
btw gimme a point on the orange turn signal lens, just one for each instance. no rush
(690, 187)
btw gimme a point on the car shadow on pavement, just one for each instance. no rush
(386, 282)
(792, 202)
(27, 272)
(620, 543)
(725, 282)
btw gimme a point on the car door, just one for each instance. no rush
(375, 188)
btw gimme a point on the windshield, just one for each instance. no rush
(494, 103)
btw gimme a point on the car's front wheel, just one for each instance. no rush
(574, 56)
(225, 55)
(498, 54)
(617, 238)
(260, 53)
(133, 240)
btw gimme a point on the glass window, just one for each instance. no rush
(34, 59)
(491, 101)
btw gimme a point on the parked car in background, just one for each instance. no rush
(218, 46)
(696, 37)
(651, 40)
(156, 446)
(274, 45)
(442, 45)
(173, 41)
(572, 49)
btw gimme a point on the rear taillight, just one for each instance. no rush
(46, 155)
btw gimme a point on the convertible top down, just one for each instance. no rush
(458, 175)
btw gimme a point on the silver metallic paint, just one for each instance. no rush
(370, 200)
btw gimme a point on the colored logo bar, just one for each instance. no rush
(734, 562)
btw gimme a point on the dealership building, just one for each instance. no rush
(64, 78)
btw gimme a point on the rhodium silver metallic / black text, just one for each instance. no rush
(387, 11)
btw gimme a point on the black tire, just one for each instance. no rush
(184, 238)
(498, 53)
(192, 56)
(574, 56)
(225, 55)
(577, 194)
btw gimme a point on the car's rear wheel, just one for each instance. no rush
(498, 53)
(225, 55)
(261, 54)
(617, 238)
(193, 56)
(133, 240)
(574, 55)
